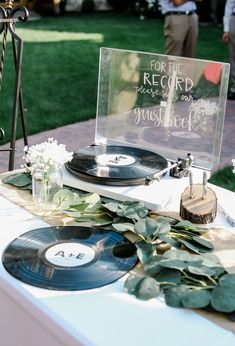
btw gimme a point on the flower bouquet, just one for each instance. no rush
(44, 162)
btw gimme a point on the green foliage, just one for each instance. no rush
(223, 297)
(21, 181)
(142, 287)
(150, 229)
(196, 299)
(224, 177)
(187, 273)
(192, 281)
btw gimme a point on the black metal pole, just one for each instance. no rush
(10, 16)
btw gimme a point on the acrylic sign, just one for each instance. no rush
(171, 105)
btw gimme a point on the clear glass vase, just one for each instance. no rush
(45, 185)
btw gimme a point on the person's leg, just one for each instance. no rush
(62, 7)
(190, 43)
(232, 54)
(175, 31)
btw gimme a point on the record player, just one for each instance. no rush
(157, 116)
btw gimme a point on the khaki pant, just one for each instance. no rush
(181, 32)
(232, 52)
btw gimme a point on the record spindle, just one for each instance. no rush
(198, 202)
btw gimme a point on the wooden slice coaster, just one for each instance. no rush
(198, 209)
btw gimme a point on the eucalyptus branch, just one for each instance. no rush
(175, 235)
(213, 280)
(185, 275)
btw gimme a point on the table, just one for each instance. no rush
(103, 317)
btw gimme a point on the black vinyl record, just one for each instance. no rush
(115, 165)
(69, 258)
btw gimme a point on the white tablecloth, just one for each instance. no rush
(102, 317)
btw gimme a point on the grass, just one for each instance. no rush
(224, 178)
(60, 64)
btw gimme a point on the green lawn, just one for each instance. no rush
(60, 63)
(224, 178)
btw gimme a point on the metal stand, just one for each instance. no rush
(8, 17)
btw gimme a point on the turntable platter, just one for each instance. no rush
(115, 165)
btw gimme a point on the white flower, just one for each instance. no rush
(233, 163)
(151, 4)
(204, 107)
(46, 156)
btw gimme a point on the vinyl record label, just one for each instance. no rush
(70, 254)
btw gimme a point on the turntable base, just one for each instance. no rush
(149, 195)
(158, 195)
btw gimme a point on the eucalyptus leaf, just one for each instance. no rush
(227, 280)
(167, 239)
(210, 260)
(173, 264)
(95, 215)
(102, 220)
(204, 242)
(131, 282)
(145, 251)
(78, 208)
(18, 179)
(93, 199)
(111, 206)
(196, 299)
(164, 228)
(26, 187)
(194, 246)
(74, 214)
(184, 224)
(191, 231)
(201, 270)
(218, 271)
(180, 259)
(134, 211)
(147, 288)
(146, 227)
(152, 267)
(200, 230)
(95, 218)
(130, 203)
(83, 219)
(123, 227)
(169, 278)
(168, 219)
(150, 229)
(66, 198)
(182, 255)
(174, 296)
(223, 298)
